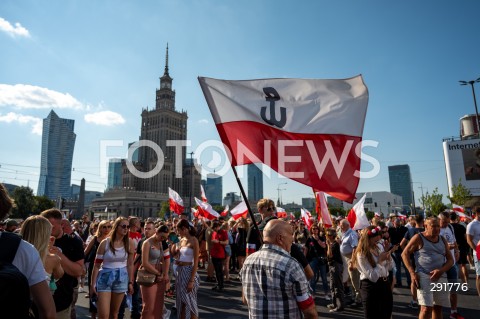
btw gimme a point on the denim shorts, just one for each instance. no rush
(112, 280)
(228, 250)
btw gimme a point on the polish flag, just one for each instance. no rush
(307, 217)
(306, 130)
(225, 211)
(239, 211)
(194, 212)
(203, 196)
(323, 214)
(458, 208)
(176, 202)
(281, 213)
(357, 217)
(206, 210)
(463, 215)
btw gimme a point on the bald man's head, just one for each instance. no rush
(278, 232)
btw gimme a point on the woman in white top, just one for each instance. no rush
(187, 279)
(115, 277)
(373, 263)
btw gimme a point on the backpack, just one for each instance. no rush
(14, 300)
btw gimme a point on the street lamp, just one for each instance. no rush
(191, 173)
(474, 98)
(280, 189)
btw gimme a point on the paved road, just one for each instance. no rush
(227, 305)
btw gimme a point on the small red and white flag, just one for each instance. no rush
(323, 214)
(306, 217)
(463, 215)
(308, 130)
(458, 208)
(357, 217)
(206, 210)
(176, 202)
(203, 196)
(239, 211)
(225, 211)
(194, 212)
(281, 212)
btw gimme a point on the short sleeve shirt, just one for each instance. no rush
(28, 261)
(473, 229)
(349, 242)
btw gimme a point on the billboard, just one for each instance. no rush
(462, 163)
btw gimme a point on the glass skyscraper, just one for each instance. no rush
(114, 173)
(401, 182)
(214, 189)
(58, 142)
(255, 183)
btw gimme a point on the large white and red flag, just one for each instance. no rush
(203, 196)
(307, 130)
(357, 217)
(323, 214)
(306, 217)
(281, 212)
(206, 210)
(176, 202)
(458, 208)
(239, 211)
(225, 211)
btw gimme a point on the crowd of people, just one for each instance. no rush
(279, 262)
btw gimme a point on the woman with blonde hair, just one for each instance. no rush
(37, 231)
(112, 274)
(373, 263)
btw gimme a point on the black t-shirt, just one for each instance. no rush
(396, 235)
(460, 232)
(297, 253)
(336, 255)
(72, 248)
(314, 250)
(253, 237)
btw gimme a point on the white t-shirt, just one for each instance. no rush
(449, 235)
(27, 260)
(473, 229)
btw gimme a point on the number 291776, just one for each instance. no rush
(448, 286)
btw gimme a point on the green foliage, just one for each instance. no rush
(165, 207)
(460, 193)
(369, 214)
(24, 202)
(433, 202)
(42, 203)
(337, 211)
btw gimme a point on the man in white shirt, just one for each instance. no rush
(473, 239)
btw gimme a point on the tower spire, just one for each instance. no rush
(166, 62)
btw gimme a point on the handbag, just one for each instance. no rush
(145, 278)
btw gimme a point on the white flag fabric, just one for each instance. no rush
(357, 217)
(203, 196)
(239, 211)
(281, 212)
(206, 210)
(307, 217)
(458, 208)
(323, 213)
(176, 202)
(305, 129)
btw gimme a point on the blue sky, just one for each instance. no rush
(99, 63)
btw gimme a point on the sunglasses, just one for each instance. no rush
(106, 227)
(124, 226)
(270, 209)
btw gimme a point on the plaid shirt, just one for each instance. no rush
(274, 284)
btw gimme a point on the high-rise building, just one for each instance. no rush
(161, 128)
(401, 182)
(255, 183)
(214, 189)
(58, 142)
(114, 173)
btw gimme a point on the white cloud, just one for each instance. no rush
(24, 96)
(37, 123)
(107, 118)
(203, 121)
(13, 31)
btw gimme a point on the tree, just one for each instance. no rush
(337, 211)
(42, 203)
(433, 202)
(164, 209)
(460, 194)
(24, 202)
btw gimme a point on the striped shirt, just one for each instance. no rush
(274, 284)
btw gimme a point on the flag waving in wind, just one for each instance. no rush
(206, 210)
(240, 210)
(307, 217)
(176, 202)
(307, 130)
(357, 217)
(225, 211)
(203, 196)
(458, 208)
(322, 210)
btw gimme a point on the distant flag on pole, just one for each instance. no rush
(106, 209)
(458, 208)
(281, 213)
(206, 210)
(239, 211)
(225, 211)
(204, 197)
(318, 123)
(357, 217)
(176, 202)
(307, 217)
(323, 214)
